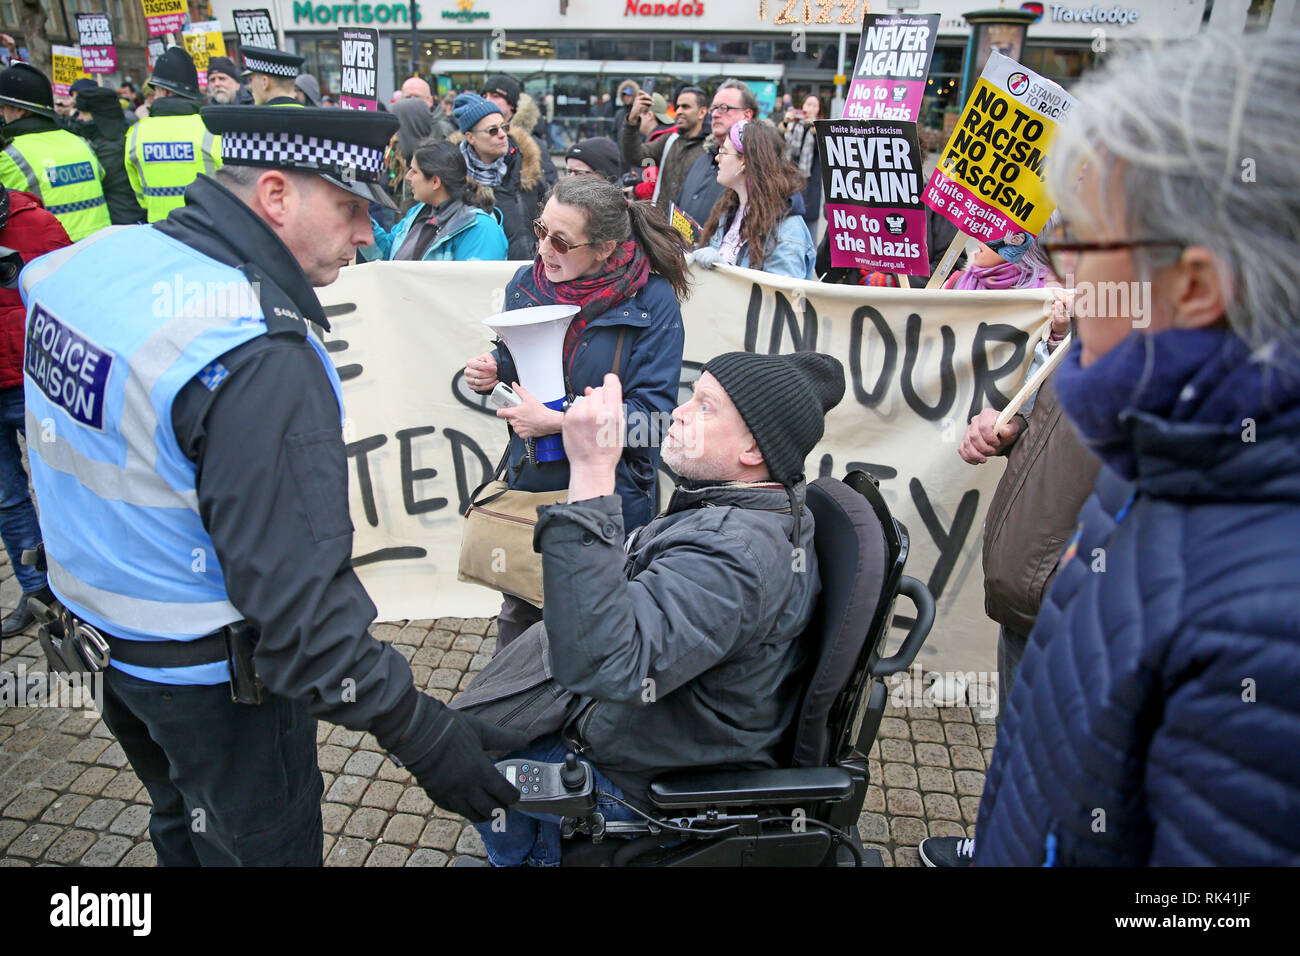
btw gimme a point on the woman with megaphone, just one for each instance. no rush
(624, 268)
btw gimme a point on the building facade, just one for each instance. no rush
(570, 54)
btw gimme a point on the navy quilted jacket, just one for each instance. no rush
(1155, 719)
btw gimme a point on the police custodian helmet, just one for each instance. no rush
(26, 87)
(344, 147)
(174, 71)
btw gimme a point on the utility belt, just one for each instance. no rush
(74, 646)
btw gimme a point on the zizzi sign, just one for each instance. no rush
(1120, 16)
(352, 12)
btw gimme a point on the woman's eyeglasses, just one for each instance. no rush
(1062, 252)
(561, 246)
(491, 131)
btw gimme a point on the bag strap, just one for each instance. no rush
(496, 474)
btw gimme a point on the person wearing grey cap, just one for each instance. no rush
(207, 561)
(686, 636)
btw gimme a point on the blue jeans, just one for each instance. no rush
(18, 526)
(534, 838)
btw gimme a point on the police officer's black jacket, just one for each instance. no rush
(273, 489)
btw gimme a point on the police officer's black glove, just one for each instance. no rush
(444, 750)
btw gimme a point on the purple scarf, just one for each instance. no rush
(1004, 275)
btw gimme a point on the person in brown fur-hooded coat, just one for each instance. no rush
(510, 165)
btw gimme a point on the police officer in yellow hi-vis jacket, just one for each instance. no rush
(171, 146)
(45, 160)
(270, 74)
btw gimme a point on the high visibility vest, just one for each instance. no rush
(64, 171)
(164, 154)
(126, 548)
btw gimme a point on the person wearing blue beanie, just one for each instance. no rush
(470, 108)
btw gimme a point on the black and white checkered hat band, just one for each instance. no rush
(255, 65)
(345, 160)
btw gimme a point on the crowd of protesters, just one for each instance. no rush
(1121, 690)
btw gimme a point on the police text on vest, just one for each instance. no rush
(169, 152)
(74, 909)
(71, 370)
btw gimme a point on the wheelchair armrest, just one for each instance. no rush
(918, 594)
(748, 788)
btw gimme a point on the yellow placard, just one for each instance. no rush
(989, 179)
(203, 46)
(66, 69)
(163, 8)
(840, 79)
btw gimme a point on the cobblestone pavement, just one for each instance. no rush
(68, 797)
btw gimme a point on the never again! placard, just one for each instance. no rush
(871, 172)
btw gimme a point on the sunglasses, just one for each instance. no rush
(492, 131)
(561, 246)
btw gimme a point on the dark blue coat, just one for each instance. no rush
(1155, 719)
(650, 372)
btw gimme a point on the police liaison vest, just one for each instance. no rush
(126, 548)
(164, 154)
(64, 171)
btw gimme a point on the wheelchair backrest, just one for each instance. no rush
(860, 556)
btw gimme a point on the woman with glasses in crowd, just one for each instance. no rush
(452, 219)
(1159, 695)
(753, 224)
(507, 161)
(625, 268)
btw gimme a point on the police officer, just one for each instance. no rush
(43, 159)
(171, 146)
(270, 74)
(194, 498)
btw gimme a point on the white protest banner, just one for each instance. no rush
(255, 29)
(893, 60)
(98, 54)
(989, 179)
(871, 172)
(917, 364)
(359, 83)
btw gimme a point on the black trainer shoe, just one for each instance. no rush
(947, 851)
(17, 620)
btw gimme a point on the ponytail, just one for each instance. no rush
(664, 246)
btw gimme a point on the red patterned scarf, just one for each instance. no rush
(625, 274)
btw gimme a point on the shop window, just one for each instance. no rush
(322, 60)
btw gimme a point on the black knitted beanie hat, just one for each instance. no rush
(784, 400)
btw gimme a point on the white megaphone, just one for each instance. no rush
(535, 338)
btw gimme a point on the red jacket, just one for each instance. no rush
(33, 232)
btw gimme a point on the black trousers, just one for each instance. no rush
(232, 784)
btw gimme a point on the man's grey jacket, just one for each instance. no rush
(688, 640)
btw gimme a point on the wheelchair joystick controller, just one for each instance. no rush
(573, 776)
(567, 789)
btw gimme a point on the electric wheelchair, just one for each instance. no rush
(804, 813)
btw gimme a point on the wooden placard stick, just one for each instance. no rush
(946, 263)
(1032, 385)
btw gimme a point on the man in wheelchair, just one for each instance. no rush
(686, 638)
